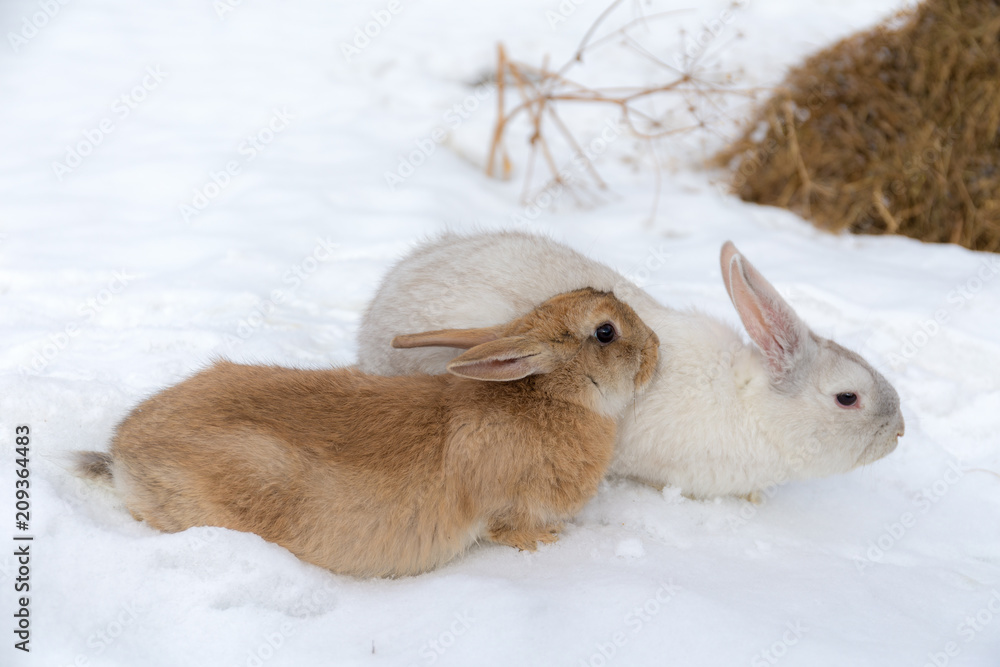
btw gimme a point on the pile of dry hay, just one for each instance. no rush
(895, 130)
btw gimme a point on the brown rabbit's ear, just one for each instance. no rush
(460, 338)
(503, 360)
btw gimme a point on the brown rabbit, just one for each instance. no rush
(388, 476)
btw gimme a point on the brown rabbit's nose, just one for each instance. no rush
(902, 426)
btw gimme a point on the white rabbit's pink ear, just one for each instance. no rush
(503, 360)
(767, 317)
(725, 260)
(463, 339)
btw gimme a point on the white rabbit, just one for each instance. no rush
(721, 417)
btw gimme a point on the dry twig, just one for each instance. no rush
(542, 92)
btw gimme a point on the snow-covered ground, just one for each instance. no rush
(194, 179)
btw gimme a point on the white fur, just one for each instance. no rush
(719, 418)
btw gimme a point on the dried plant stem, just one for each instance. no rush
(542, 91)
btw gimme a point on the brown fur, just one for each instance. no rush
(95, 466)
(386, 476)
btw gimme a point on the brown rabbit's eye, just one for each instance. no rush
(605, 333)
(847, 399)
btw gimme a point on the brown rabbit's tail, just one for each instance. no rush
(95, 466)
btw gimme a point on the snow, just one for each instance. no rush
(109, 294)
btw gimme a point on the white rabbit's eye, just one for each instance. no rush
(847, 399)
(605, 333)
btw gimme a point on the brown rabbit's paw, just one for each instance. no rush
(525, 539)
(512, 538)
(550, 534)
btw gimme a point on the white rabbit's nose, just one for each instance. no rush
(902, 426)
